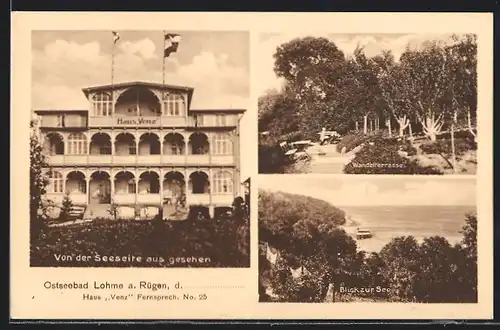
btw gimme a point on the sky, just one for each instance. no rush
(373, 44)
(377, 191)
(216, 64)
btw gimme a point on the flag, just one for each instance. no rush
(171, 43)
(116, 37)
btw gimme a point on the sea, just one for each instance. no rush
(387, 222)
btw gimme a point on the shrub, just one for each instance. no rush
(407, 147)
(383, 158)
(443, 146)
(351, 141)
(66, 206)
(156, 242)
(272, 159)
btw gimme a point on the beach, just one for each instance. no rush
(388, 222)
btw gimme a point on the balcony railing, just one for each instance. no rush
(189, 159)
(222, 199)
(193, 199)
(198, 159)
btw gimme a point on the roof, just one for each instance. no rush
(219, 110)
(110, 87)
(60, 110)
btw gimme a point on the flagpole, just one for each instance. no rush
(163, 59)
(113, 74)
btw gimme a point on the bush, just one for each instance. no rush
(67, 204)
(157, 242)
(383, 158)
(443, 146)
(429, 272)
(351, 141)
(272, 159)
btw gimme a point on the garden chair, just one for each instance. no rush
(289, 152)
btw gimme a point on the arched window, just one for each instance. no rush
(173, 105)
(222, 144)
(223, 183)
(103, 104)
(55, 182)
(77, 144)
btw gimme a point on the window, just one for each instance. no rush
(173, 105)
(222, 144)
(82, 187)
(103, 104)
(223, 183)
(132, 149)
(198, 120)
(77, 144)
(177, 148)
(220, 120)
(131, 187)
(55, 182)
(60, 120)
(105, 149)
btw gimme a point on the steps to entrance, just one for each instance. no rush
(94, 211)
(170, 213)
(76, 212)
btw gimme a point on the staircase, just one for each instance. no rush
(169, 213)
(76, 212)
(327, 160)
(94, 211)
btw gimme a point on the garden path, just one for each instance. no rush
(327, 160)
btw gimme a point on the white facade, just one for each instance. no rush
(141, 144)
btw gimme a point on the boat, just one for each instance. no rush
(363, 234)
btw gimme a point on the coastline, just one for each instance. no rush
(373, 244)
(382, 235)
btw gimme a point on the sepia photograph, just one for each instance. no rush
(135, 149)
(368, 103)
(378, 239)
(206, 168)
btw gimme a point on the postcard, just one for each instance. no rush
(201, 171)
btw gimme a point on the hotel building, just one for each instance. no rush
(142, 145)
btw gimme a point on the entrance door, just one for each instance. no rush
(100, 192)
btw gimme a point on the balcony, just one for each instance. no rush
(100, 159)
(149, 199)
(76, 159)
(223, 160)
(173, 159)
(223, 199)
(124, 199)
(139, 121)
(210, 121)
(124, 159)
(181, 160)
(198, 159)
(193, 199)
(148, 159)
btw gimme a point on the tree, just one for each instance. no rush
(469, 232)
(66, 206)
(314, 70)
(401, 257)
(38, 182)
(463, 76)
(394, 89)
(364, 93)
(426, 75)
